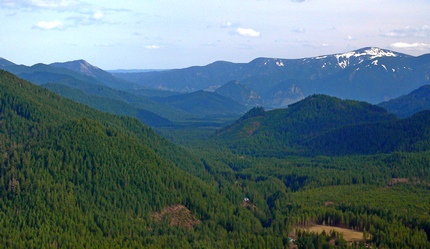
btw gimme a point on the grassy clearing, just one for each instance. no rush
(348, 234)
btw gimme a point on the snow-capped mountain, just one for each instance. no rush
(354, 58)
(370, 74)
(340, 61)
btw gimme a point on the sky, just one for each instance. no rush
(166, 34)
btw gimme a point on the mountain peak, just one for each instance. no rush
(85, 68)
(268, 62)
(80, 66)
(372, 52)
(82, 62)
(364, 54)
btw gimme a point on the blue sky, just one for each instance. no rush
(159, 34)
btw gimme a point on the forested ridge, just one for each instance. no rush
(324, 125)
(74, 177)
(407, 105)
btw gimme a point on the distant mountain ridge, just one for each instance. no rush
(240, 93)
(86, 89)
(203, 102)
(80, 81)
(5, 63)
(407, 105)
(85, 68)
(80, 66)
(369, 74)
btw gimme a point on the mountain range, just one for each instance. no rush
(368, 74)
(162, 98)
(87, 84)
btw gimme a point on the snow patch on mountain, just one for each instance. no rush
(346, 55)
(369, 54)
(377, 52)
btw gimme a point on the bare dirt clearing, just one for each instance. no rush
(348, 234)
(177, 215)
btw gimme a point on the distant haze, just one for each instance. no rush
(176, 34)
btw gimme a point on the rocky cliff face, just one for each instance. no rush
(284, 97)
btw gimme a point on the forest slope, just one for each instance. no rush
(323, 125)
(73, 176)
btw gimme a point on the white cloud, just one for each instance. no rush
(248, 32)
(416, 45)
(90, 18)
(422, 32)
(153, 46)
(98, 15)
(48, 25)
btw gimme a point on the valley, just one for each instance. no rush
(228, 155)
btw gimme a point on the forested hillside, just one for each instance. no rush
(109, 104)
(312, 126)
(333, 162)
(94, 89)
(74, 177)
(409, 134)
